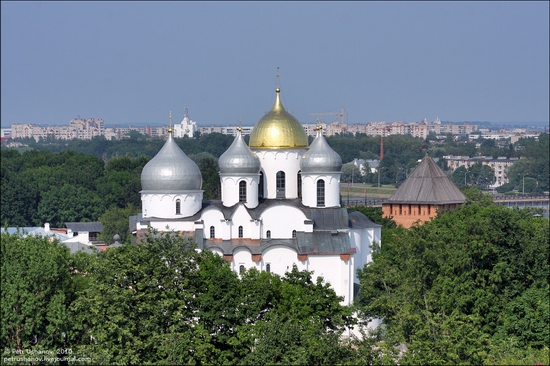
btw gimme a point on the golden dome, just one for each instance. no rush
(278, 129)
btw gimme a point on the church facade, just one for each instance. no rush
(279, 207)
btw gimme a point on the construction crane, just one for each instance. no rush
(342, 114)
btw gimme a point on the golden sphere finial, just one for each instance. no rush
(277, 90)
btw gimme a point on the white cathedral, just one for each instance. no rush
(280, 204)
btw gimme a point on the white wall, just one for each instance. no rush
(332, 189)
(287, 161)
(230, 190)
(163, 205)
(282, 220)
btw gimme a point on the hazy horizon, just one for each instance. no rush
(381, 61)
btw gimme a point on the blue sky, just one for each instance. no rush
(134, 62)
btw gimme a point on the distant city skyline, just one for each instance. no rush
(131, 63)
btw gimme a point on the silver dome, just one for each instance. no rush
(320, 158)
(239, 159)
(171, 170)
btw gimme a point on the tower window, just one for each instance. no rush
(240, 231)
(321, 193)
(178, 207)
(293, 234)
(268, 234)
(242, 191)
(212, 232)
(241, 268)
(268, 267)
(280, 184)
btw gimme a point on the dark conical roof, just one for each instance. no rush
(427, 184)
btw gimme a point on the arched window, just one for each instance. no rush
(242, 191)
(212, 232)
(293, 234)
(178, 207)
(268, 234)
(241, 268)
(261, 186)
(299, 184)
(268, 267)
(280, 184)
(240, 231)
(320, 193)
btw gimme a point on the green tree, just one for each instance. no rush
(351, 173)
(69, 204)
(210, 179)
(36, 293)
(140, 305)
(460, 177)
(481, 175)
(115, 222)
(449, 287)
(298, 320)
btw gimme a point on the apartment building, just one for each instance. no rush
(499, 165)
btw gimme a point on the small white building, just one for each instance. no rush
(279, 207)
(187, 127)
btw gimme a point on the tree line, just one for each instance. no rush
(471, 286)
(62, 181)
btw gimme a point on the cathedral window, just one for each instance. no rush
(299, 184)
(268, 267)
(240, 231)
(212, 232)
(293, 234)
(320, 193)
(280, 184)
(261, 186)
(178, 207)
(268, 234)
(242, 191)
(241, 268)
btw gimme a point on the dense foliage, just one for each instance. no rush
(463, 286)
(39, 187)
(162, 301)
(471, 286)
(36, 290)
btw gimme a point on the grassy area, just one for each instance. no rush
(358, 190)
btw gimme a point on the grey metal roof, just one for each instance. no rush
(77, 246)
(92, 227)
(171, 170)
(358, 220)
(427, 184)
(318, 242)
(19, 230)
(323, 242)
(329, 218)
(320, 157)
(239, 159)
